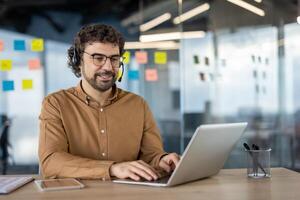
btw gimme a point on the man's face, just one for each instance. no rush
(100, 77)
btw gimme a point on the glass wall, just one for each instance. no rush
(241, 69)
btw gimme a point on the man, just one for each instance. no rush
(96, 130)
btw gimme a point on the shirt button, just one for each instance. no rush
(101, 109)
(102, 131)
(103, 154)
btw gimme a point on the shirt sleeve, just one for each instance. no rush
(151, 147)
(55, 160)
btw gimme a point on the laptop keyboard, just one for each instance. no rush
(9, 183)
(161, 180)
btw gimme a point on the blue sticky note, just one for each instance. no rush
(19, 45)
(8, 85)
(133, 75)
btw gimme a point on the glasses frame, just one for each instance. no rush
(106, 57)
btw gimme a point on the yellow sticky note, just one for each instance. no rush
(126, 57)
(27, 84)
(160, 57)
(37, 44)
(6, 65)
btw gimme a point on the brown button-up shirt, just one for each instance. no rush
(80, 138)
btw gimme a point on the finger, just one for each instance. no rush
(165, 166)
(173, 158)
(140, 172)
(146, 169)
(146, 164)
(133, 176)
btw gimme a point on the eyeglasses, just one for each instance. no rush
(100, 59)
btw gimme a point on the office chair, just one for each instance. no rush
(4, 142)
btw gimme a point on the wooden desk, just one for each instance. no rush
(231, 184)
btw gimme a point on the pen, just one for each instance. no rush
(255, 161)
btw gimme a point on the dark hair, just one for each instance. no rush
(88, 34)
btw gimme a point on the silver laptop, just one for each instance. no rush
(204, 156)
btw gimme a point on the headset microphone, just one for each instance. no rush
(120, 73)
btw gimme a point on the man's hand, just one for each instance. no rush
(134, 170)
(169, 162)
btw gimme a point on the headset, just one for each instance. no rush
(76, 61)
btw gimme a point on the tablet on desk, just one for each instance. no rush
(58, 184)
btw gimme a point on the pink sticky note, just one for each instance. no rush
(141, 57)
(151, 75)
(34, 63)
(1, 45)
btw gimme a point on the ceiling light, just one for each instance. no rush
(155, 22)
(248, 6)
(172, 36)
(152, 45)
(191, 13)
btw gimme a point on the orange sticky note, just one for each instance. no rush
(160, 57)
(37, 44)
(141, 57)
(1, 45)
(151, 75)
(6, 65)
(126, 57)
(27, 84)
(34, 63)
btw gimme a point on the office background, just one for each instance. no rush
(220, 61)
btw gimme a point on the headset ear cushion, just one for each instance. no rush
(75, 59)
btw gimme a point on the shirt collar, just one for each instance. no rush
(82, 95)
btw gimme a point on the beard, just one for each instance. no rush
(101, 85)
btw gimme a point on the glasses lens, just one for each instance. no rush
(115, 61)
(99, 59)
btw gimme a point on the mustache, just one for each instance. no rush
(105, 73)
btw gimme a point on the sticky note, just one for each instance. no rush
(37, 45)
(151, 75)
(6, 65)
(202, 76)
(160, 57)
(141, 57)
(19, 45)
(196, 59)
(8, 86)
(207, 61)
(1, 45)
(27, 84)
(34, 64)
(126, 57)
(133, 75)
